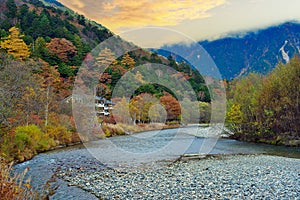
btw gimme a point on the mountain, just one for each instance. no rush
(258, 51)
(64, 39)
(41, 23)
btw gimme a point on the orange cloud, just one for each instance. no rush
(120, 14)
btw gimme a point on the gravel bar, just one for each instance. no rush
(221, 177)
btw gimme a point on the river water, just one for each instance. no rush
(43, 167)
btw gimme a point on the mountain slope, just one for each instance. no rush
(257, 51)
(64, 38)
(37, 20)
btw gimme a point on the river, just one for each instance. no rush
(78, 159)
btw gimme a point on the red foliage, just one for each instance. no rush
(172, 106)
(63, 48)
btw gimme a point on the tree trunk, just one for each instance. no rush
(47, 106)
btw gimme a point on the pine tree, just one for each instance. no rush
(15, 45)
(12, 9)
(127, 61)
(105, 58)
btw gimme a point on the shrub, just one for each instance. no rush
(21, 140)
(12, 186)
(60, 134)
(31, 137)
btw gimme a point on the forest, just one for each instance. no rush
(266, 108)
(42, 48)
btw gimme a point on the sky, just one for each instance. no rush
(196, 19)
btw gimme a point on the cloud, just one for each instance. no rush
(79, 4)
(120, 14)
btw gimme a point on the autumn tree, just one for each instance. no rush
(157, 113)
(104, 59)
(127, 61)
(244, 94)
(20, 92)
(190, 111)
(55, 90)
(103, 89)
(278, 108)
(172, 107)
(62, 48)
(121, 112)
(205, 112)
(234, 117)
(14, 44)
(140, 106)
(266, 108)
(139, 77)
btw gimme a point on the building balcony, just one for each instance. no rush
(100, 105)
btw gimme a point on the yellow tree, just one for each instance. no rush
(15, 45)
(127, 61)
(234, 117)
(105, 58)
(121, 113)
(139, 77)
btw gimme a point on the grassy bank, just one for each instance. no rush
(24, 142)
(111, 130)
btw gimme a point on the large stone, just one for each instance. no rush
(294, 143)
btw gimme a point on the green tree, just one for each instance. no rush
(23, 11)
(77, 60)
(39, 47)
(65, 70)
(245, 92)
(44, 26)
(12, 9)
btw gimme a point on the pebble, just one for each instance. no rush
(225, 177)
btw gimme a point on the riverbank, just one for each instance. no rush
(221, 177)
(27, 152)
(279, 140)
(66, 166)
(111, 130)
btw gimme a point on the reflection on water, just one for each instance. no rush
(145, 149)
(228, 146)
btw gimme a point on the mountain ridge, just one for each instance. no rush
(255, 51)
(64, 39)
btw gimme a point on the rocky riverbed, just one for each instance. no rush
(233, 170)
(215, 177)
